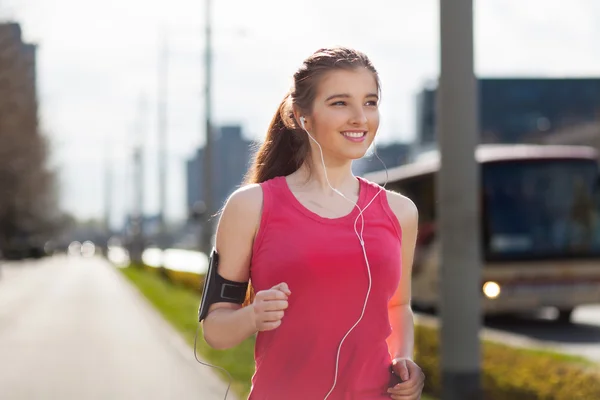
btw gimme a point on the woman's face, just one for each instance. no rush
(345, 114)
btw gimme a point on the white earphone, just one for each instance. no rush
(362, 244)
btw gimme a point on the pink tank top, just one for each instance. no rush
(322, 262)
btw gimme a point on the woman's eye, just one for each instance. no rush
(343, 103)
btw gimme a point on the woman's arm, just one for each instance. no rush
(401, 341)
(228, 324)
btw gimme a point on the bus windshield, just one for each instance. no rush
(537, 209)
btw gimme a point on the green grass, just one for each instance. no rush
(569, 358)
(179, 306)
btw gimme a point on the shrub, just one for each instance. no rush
(514, 374)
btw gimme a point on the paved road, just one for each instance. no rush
(73, 328)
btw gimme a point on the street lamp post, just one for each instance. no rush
(207, 164)
(458, 204)
(163, 64)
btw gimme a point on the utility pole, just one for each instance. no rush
(207, 229)
(139, 176)
(107, 189)
(458, 205)
(162, 98)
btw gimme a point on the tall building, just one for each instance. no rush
(516, 110)
(230, 159)
(28, 211)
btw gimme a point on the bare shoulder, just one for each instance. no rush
(239, 218)
(404, 208)
(245, 201)
(237, 227)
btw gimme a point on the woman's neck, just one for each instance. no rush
(311, 175)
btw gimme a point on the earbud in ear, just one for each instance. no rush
(302, 122)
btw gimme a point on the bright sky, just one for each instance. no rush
(98, 58)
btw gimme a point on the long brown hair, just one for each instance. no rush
(286, 146)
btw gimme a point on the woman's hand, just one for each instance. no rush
(269, 306)
(413, 380)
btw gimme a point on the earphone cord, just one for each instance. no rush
(210, 365)
(360, 237)
(362, 243)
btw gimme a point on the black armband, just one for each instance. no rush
(218, 289)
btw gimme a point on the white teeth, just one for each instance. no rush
(354, 134)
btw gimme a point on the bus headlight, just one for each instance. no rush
(491, 290)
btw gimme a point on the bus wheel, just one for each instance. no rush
(564, 316)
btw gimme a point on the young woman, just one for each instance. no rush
(328, 254)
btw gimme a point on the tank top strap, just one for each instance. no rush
(370, 191)
(381, 203)
(272, 193)
(270, 190)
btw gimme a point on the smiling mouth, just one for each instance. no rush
(355, 135)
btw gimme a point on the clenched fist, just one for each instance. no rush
(269, 306)
(412, 378)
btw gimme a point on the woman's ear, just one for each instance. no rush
(297, 116)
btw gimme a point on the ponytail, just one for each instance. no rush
(284, 150)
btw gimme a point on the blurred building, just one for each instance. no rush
(521, 110)
(231, 159)
(18, 100)
(392, 155)
(28, 213)
(150, 225)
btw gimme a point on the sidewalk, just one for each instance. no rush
(73, 328)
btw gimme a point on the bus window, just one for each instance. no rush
(539, 209)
